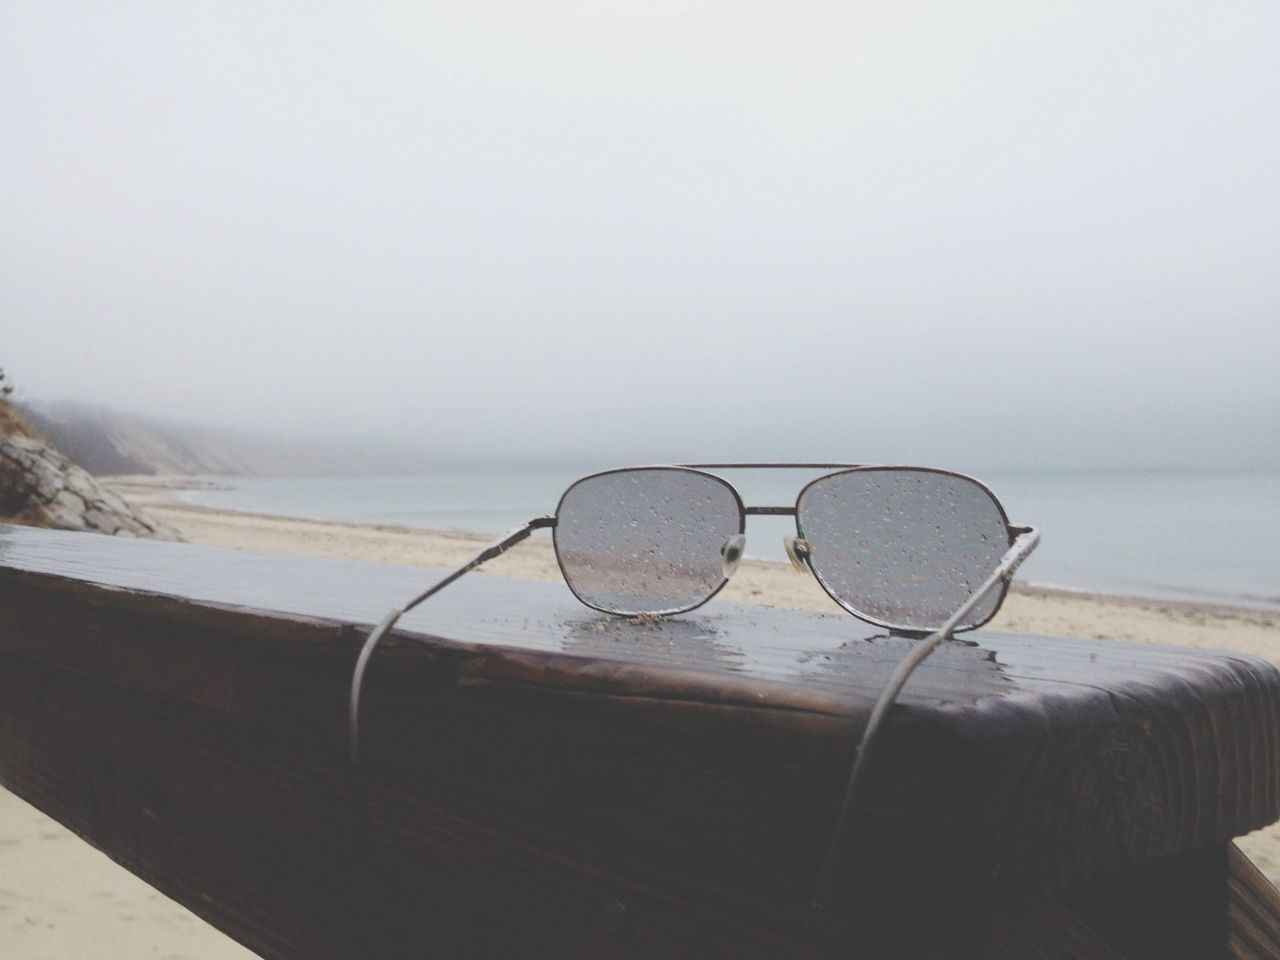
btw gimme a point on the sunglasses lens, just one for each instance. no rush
(646, 540)
(903, 548)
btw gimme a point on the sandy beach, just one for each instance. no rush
(59, 898)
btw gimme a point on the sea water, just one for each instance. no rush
(1201, 535)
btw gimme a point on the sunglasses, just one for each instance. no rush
(898, 547)
(918, 551)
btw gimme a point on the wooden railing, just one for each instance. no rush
(549, 782)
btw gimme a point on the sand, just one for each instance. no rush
(60, 898)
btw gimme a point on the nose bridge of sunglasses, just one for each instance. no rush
(797, 552)
(731, 554)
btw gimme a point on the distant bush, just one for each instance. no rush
(11, 421)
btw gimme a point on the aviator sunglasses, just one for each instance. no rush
(919, 551)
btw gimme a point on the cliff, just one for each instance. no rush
(107, 442)
(40, 486)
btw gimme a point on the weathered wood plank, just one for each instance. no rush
(1043, 927)
(1209, 903)
(1253, 911)
(586, 786)
(1170, 909)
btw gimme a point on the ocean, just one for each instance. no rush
(1200, 535)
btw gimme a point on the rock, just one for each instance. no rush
(65, 511)
(162, 531)
(39, 486)
(97, 519)
(133, 528)
(80, 483)
(49, 481)
(112, 499)
(17, 454)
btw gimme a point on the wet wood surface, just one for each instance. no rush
(548, 781)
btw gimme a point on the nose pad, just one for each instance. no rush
(731, 554)
(797, 552)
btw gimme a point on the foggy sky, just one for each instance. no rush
(984, 234)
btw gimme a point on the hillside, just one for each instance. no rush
(106, 442)
(12, 423)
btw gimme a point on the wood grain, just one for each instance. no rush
(546, 781)
(1253, 911)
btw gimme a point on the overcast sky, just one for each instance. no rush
(981, 234)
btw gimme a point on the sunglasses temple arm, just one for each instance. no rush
(366, 652)
(1026, 541)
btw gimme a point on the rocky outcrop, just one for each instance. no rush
(39, 486)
